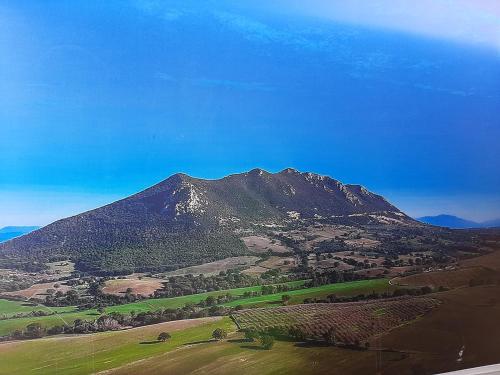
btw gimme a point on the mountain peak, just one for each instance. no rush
(206, 216)
(289, 171)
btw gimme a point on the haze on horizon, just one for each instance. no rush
(99, 101)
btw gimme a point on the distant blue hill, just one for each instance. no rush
(6, 233)
(456, 222)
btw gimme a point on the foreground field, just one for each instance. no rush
(462, 331)
(92, 353)
(449, 278)
(237, 356)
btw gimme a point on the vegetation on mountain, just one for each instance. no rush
(184, 221)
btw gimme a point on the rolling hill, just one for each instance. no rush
(456, 222)
(184, 220)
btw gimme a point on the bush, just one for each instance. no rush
(164, 336)
(219, 334)
(266, 341)
(251, 334)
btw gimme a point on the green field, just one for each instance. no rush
(87, 354)
(240, 357)
(298, 296)
(9, 308)
(69, 314)
(174, 302)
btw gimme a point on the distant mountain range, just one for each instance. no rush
(184, 220)
(7, 233)
(455, 222)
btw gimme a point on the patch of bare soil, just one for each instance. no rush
(144, 286)
(462, 332)
(449, 278)
(262, 244)
(217, 266)
(38, 290)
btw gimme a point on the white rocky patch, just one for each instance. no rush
(294, 215)
(350, 196)
(194, 203)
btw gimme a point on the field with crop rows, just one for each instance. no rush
(351, 321)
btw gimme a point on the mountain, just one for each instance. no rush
(7, 233)
(495, 223)
(456, 222)
(184, 220)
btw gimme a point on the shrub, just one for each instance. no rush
(164, 336)
(219, 334)
(266, 341)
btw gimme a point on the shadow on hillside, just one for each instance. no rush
(149, 342)
(311, 344)
(252, 347)
(199, 342)
(239, 341)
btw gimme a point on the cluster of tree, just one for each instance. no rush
(190, 284)
(26, 315)
(331, 277)
(332, 298)
(265, 338)
(299, 333)
(116, 321)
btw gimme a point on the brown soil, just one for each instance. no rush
(448, 278)
(467, 319)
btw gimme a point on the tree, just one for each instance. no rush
(285, 298)
(251, 334)
(34, 330)
(210, 301)
(164, 336)
(266, 341)
(219, 334)
(329, 336)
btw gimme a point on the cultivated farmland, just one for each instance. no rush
(351, 322)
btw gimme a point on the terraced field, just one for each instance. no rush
(351, 322)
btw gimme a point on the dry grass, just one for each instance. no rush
(144, 286)
(38, 290)
(448, 278)
(217, 266)
(262, 244)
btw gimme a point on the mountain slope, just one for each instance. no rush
(7, 233)
(184, 220)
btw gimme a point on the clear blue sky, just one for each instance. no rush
(101, 99)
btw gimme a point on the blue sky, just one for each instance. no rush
(101, 99)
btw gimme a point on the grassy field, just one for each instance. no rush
(298, 296)
(69, 315)
(87, 354)
(163, 303)
(9, 308)
(240, 357)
